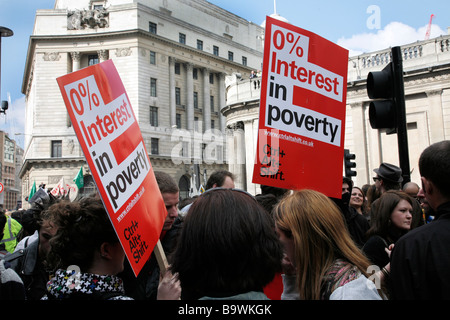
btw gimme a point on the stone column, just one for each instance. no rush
(206, 101)
(222, 101)
(75, 61)
(236, 149)
(251, 137)
(103, 55)
(76, 65)
(359, 144)
(436, 122)
(172, 100)
(190, 96)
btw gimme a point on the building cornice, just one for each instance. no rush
(136, 33)
(29, 163)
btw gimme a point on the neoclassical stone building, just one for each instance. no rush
(426, 66)
(173, 57)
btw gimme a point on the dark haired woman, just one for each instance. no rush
(227, 249)
(87, 254)
(391, 218)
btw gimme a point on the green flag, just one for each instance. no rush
(79, 181)
(33, 190)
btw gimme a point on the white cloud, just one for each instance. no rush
(393, 34)
(13, 121)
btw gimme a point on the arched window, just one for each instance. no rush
(184, 184)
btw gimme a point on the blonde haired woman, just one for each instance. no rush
(327, 262)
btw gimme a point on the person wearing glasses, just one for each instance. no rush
(389, 177)
(227, 249)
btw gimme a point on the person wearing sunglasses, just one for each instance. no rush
(389, 177)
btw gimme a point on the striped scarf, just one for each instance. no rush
(339, 273)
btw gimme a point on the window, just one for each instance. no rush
(199, 44)
(195, 73)
(56, 149)
(196, 100)
(154, 116)
(211, 102)
(177, 68)
(182, 38)
(211, 78)
(97, 5)
(230, 55)
(152, 57)
(178, 120)
(154, 145)
(152, 87)
(216, 50)
(177, 96)
(152, 27)
(92, 59)
(212, 124)
(244, 61)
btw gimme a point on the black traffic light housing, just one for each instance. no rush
(382, 113)
(4, 106)
(390, 112)
(349, 164)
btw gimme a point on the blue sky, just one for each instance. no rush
(358, 25)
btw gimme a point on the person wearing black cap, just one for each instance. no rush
(389, 177)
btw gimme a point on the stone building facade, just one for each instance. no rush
(10, 161)
(426, 66)
(172, 56)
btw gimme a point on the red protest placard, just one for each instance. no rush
(111, 140)
(302, 111)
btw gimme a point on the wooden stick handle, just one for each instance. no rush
(161, 257)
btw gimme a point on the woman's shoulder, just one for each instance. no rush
(338, 274)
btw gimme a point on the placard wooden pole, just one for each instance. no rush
(161, 257)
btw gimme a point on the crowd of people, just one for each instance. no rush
(380, 241)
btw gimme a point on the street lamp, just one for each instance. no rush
(4, 32)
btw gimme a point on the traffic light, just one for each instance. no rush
(387, 85)
(382, 113)
(389, 111)
(4, 106)
(349, 164)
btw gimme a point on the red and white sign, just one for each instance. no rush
(1, 187)
(302, 111)
(109, 135)
(63, 189)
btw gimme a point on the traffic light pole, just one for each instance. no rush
(402, 133)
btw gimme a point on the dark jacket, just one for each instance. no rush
(27, 265)
(420, 261)
(357, 224)
(374, 249)
(145, 285)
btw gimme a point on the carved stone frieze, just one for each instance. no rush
(52, 56)
(85, 19)
(123, 52)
